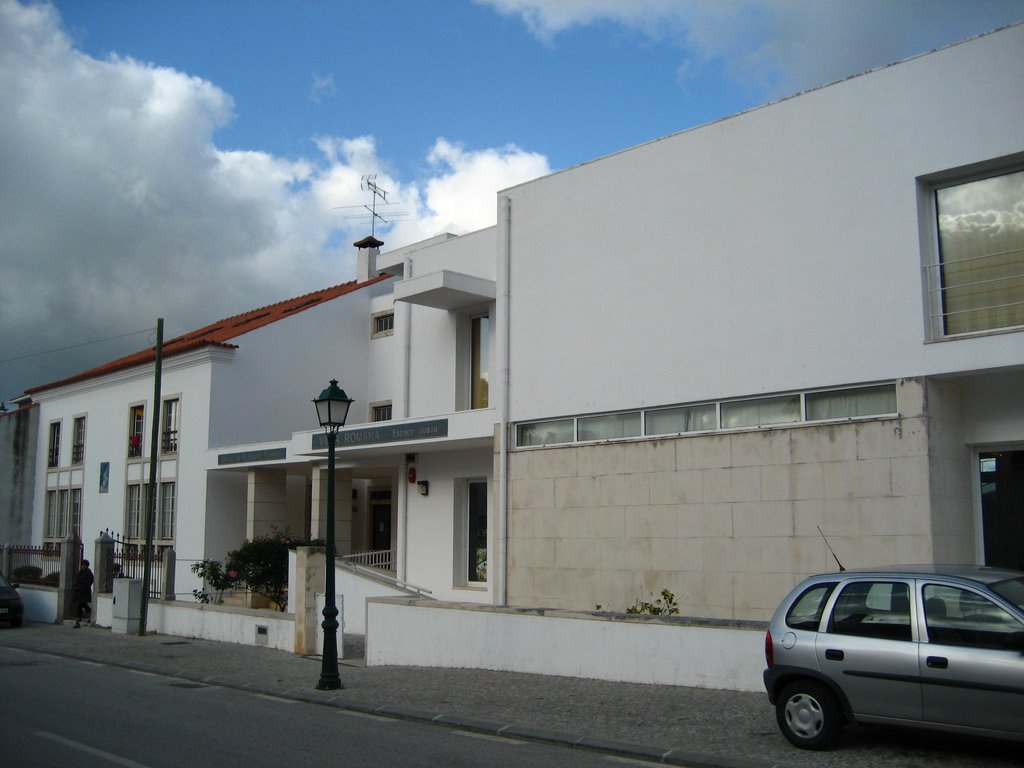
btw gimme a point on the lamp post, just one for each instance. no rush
(331, 409)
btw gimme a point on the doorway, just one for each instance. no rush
(380, 519)
(1002, 507)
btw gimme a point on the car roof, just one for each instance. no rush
(981, 574)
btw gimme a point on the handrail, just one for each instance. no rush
(377, 573)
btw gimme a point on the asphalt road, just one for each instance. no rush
(66, 712)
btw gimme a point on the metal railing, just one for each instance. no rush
(377, 558)
(34, 565)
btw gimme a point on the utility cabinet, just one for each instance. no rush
(127, 606)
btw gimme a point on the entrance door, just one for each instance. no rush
(1002, 508)
(380, 515)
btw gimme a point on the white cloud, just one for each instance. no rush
(322, 88)
(117, 207)
(784, 45)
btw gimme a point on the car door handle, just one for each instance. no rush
(937, 662)
(834, 654)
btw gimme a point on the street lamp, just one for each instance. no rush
(331, 410)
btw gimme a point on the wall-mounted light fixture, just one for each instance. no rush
(424, 486)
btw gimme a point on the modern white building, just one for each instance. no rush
(684, 366)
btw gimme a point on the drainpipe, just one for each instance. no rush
(401, 567)
(504, 272)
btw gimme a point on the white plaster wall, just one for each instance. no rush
(431, 523)
(225, 625)
(993, 408)
(775, 250)
(40, 603)
(105, 403)
(562, 643)
(265, 390)
(355, 591)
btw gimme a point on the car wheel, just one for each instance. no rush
(808, 714)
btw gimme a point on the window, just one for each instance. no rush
(806, 611)
(977, 283)
(76, 511)
(608, 427)
(692, 418)
(133, 512)
(761, 412)
(167, 507)
(480, 361)
(51, 515)
(136, 430)
(476, 532)
(851, 403)
(382, 324)
(873, 609)
(78, 440)
(380, 411)
(64, 508)
(546, 433)
(956, 616)
(53, 456)
(169, 427)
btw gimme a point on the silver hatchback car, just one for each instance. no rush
(929, 646)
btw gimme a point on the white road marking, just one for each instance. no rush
(489, 737)
(116, 759)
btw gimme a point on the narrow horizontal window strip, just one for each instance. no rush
(855, 402)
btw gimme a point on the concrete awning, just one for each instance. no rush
(446, 290)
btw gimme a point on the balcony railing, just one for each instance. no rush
(169, 441)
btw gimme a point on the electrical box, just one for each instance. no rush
(127, 613)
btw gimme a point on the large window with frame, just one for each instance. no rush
(977, 281)
(479, 362)
(168, 504)
(133, 511)
(53, 453)
(169, 426)
(471, 559)
(136, 430)
(78, 440)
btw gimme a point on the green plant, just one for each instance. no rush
(260, 566)
(662, 606)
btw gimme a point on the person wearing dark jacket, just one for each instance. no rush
(82, 594)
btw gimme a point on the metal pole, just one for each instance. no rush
(154, 447)
(329, 677)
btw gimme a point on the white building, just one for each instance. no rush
(664, 369)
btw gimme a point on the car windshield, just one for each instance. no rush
(1012, 590)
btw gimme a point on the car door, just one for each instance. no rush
(869, 650)
(968, 675)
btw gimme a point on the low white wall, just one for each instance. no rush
(40, 603)
(667, 651)
(357, 590)
(223, 624)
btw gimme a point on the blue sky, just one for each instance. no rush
(188, 159)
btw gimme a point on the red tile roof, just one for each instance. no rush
(218, 334)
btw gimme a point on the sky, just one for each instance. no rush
(194, 160)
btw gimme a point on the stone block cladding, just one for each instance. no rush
(729, 521)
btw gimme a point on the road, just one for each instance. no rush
(57, 711)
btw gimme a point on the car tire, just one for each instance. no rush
(809, 715)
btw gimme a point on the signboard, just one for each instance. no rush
(386, 433)
(248, 457)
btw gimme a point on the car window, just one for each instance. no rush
(873, 609)
(805, 613)
(956, 616)
(1011, 590)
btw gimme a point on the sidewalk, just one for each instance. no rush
(670, 724)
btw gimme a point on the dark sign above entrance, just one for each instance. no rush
(247, 457)
(386, 433)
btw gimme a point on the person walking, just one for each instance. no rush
(82, 594)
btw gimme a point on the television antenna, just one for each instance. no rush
(369, 183)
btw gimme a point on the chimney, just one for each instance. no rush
(369, 249)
